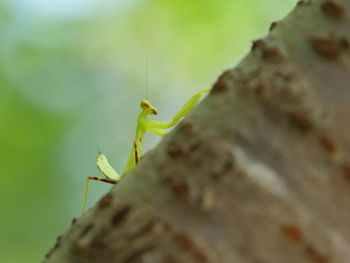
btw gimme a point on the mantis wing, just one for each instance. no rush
(105, 168)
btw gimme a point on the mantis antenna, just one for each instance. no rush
(147, 77)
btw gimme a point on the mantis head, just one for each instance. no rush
(146, 106)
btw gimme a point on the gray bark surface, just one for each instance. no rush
(259, 172)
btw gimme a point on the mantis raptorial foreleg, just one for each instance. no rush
(153, 125)
(143, 125)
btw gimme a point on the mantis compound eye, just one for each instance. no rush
(145, 104)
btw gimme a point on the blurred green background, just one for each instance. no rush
(71, 79)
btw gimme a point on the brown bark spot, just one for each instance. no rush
(99, 243)
(300, 121)
(325, 48)
(194, 146)
(222, 165)
(272, 26)
(120, 215)
(189, 245)
(180, 187)
(176, 149)
(85, 249)
(344, 44)
(200, 257)
(189, 128)
(74, 220)
(105, 200)
(185, 242)
(303, 2)
(254, 82)
(267, 52)
(86, 230)
(257, 44)
(346, 170)
(314, 255)
(293, 232)
(81, 245)
(328, 144)
(219, 86)
(57, 244)
(270, 53)
(48, 254)
(333, 9)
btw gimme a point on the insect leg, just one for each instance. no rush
(184, 110)
(86, 187)
(136, 152)
(156, 131)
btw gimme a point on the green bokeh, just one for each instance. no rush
(71, 85)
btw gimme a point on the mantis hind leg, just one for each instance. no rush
(86, 187)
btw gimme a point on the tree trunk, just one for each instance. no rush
(258, 172)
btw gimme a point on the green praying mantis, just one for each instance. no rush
(143, 125)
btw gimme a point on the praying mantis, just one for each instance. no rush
(143, 125)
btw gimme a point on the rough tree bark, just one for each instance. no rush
(258, 172)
